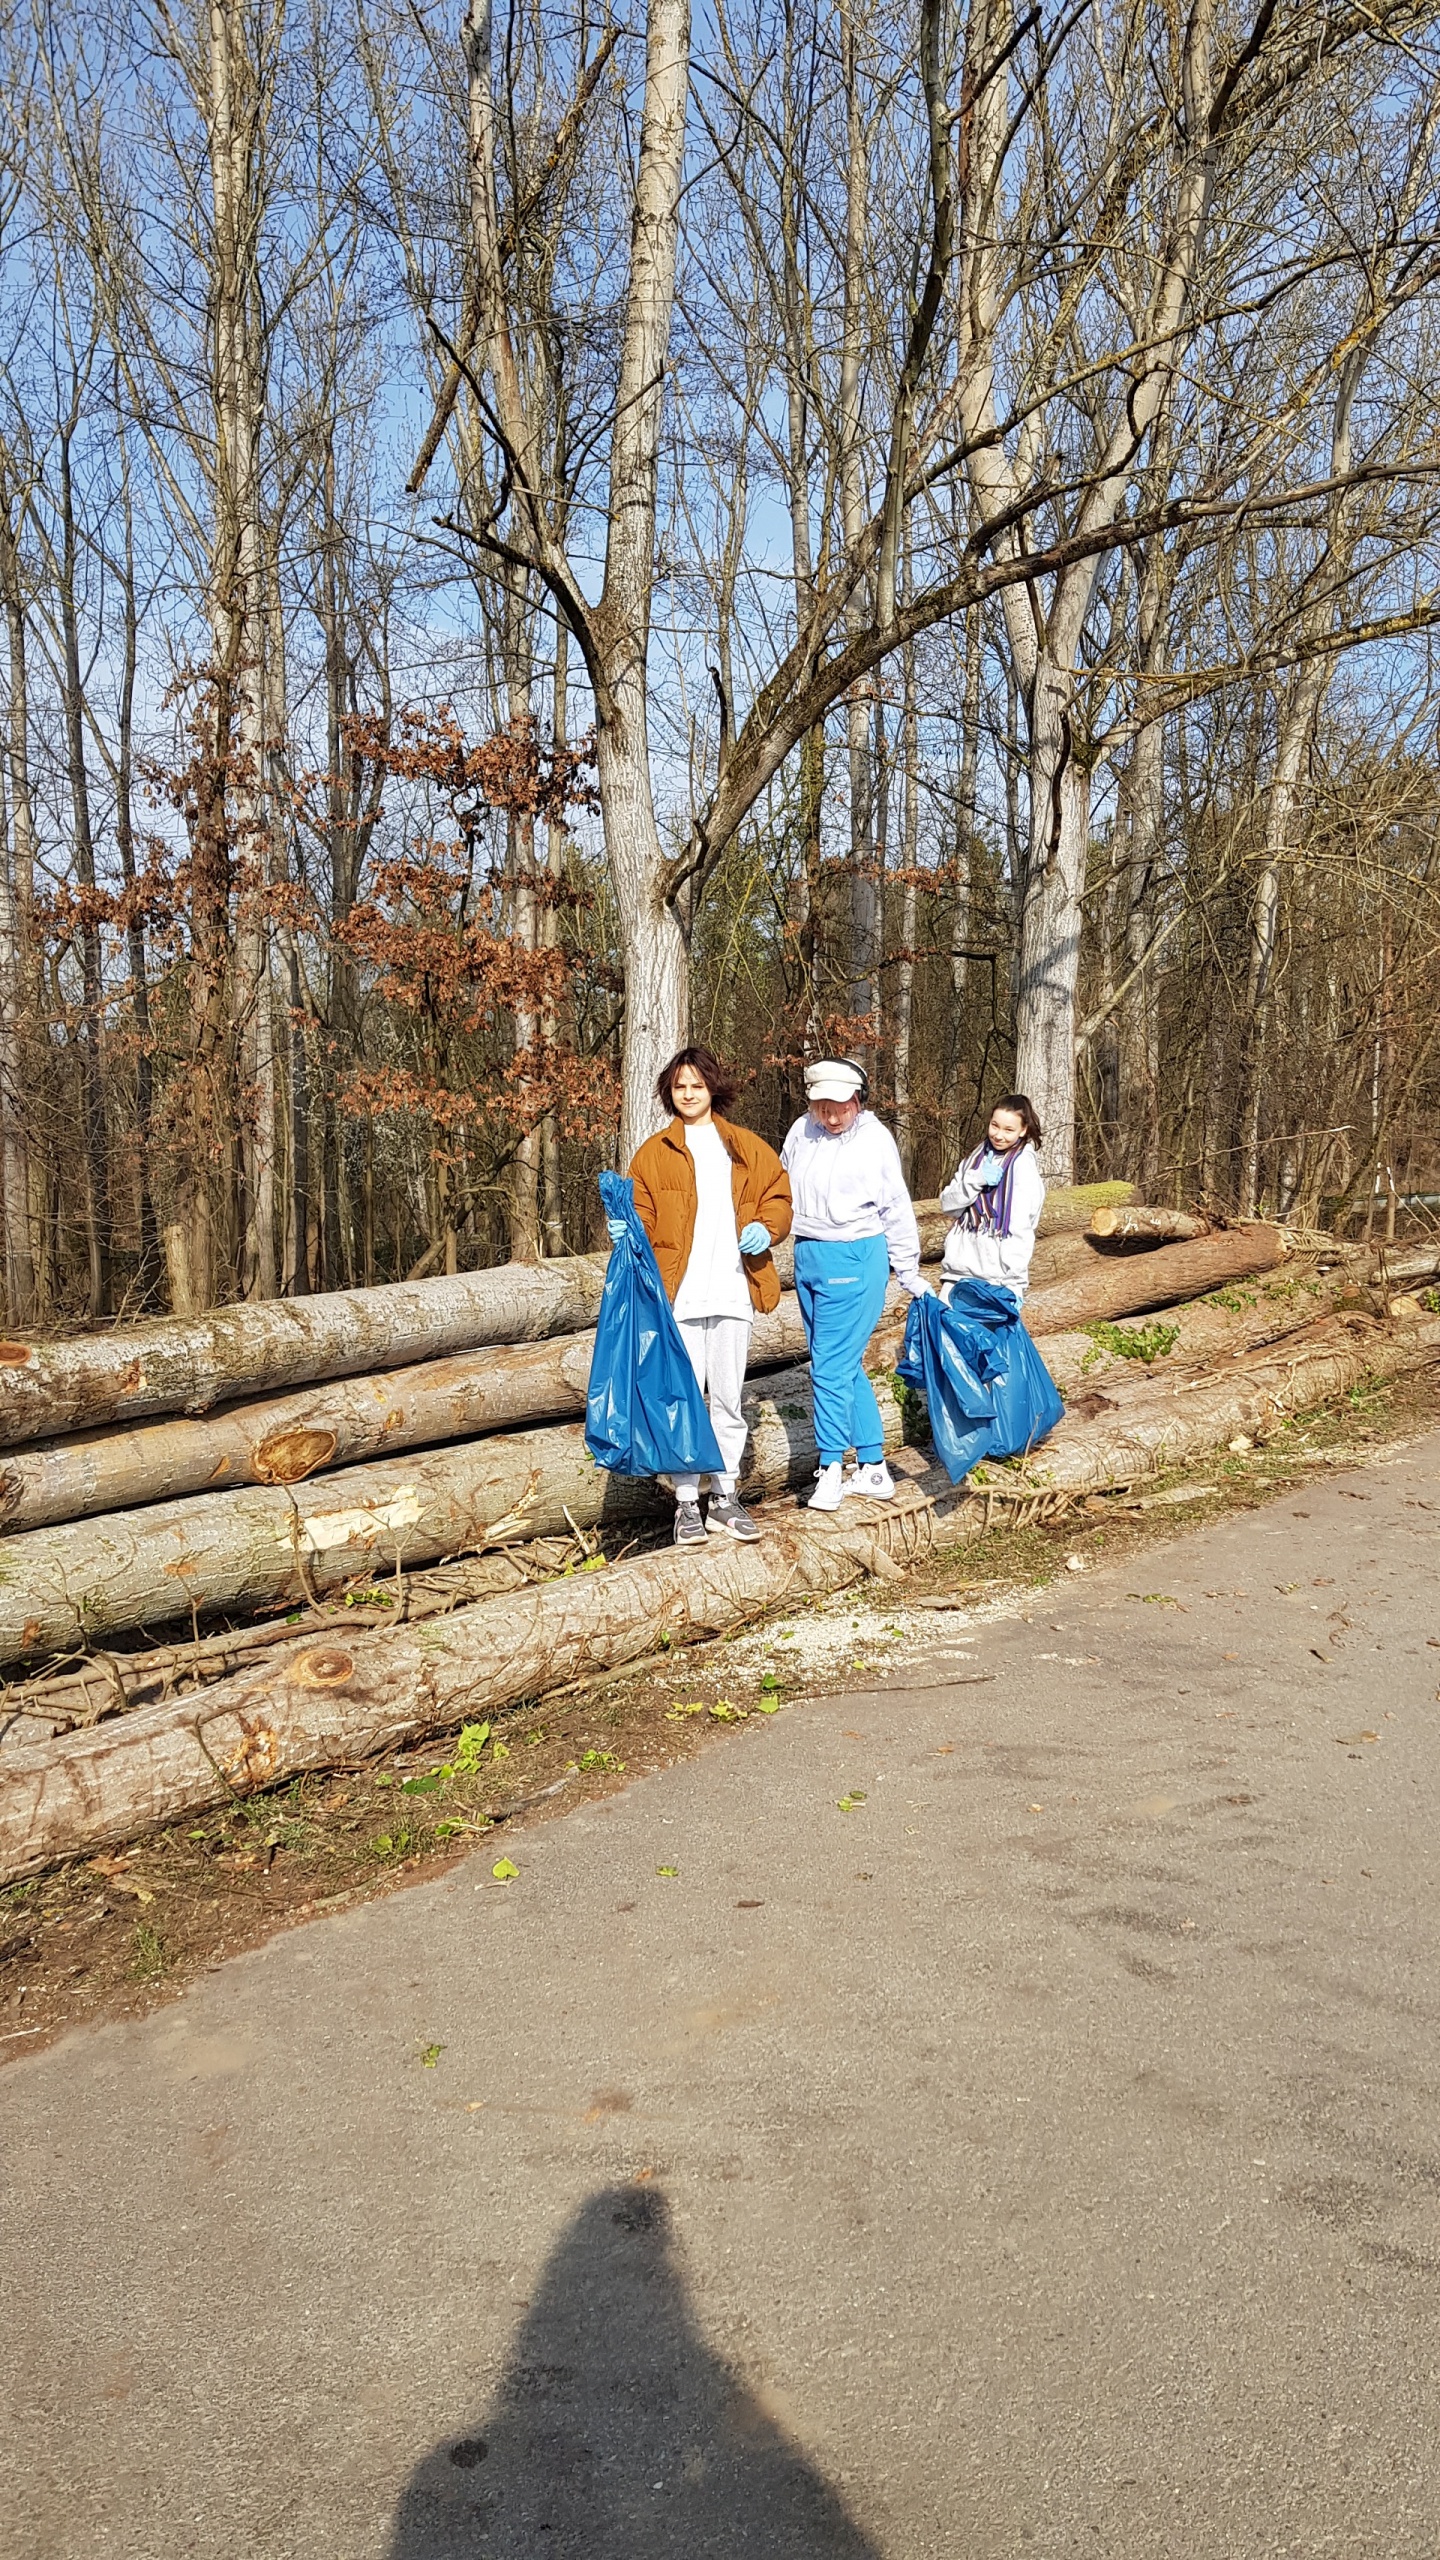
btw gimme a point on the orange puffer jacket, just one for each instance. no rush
(664, 1179)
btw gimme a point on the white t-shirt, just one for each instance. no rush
(714, 1282)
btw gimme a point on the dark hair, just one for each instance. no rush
(720, 1085)
(1025, 1112)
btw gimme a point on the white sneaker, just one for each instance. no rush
(876, 1483)
(829, 1493)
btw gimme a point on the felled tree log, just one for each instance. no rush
(92, 1686)
(1111, 1285)
(316, 1429)
(1144, 1434)
(1136, 1228)
(333, 1701)
(187, 1364)
(1071, 1206)
(279, 1440)
(86, 1580)
(1176, 1339)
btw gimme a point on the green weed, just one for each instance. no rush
(1147, 1342)
(391, 1844)
(148, 1953)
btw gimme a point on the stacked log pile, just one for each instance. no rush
(159, 1476)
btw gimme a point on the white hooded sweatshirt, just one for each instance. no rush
(852, 1186)
(972, 1254)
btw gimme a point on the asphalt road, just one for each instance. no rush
(1041, 2156)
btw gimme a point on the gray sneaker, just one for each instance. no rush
(689, 1527)
(726, 1519)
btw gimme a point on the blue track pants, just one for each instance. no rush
(841, 1289)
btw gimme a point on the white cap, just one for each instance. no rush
(832, 1080)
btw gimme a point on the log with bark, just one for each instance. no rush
(1145, 1433)
(1134, 1230)
(1111, 1285)
(92, 1686)
(335, 1702)
(188, 1364)
(85, 1580)
(81, 1582)
(318, 1428)
(343, 1701)
(321, 1427)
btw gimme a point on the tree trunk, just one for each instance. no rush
(657, 992)
(1145, 1435)
(185, 1366)
(1122, 1284)
(240, 1037)
(333, 1700)
(862, 701)
(1049, 936)
(524, 923)
(22, 1263)
(14, 1157)
(909, 918)
(148, 1271)
(92, 1087)
(1188, 1339)
(284, 1439)
(1148, 1226)
(553, 1198)
(264, 1545)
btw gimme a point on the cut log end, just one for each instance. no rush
(285, 1457)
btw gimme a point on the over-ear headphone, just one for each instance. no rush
(862, 1095)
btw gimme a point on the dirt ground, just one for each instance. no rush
(120, 1933)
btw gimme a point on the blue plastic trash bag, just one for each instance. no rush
(961, 1408)
(989, 1392)
(644, 1413)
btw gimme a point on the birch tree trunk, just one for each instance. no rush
(92, 1085)
(657, 975)
(237, 143)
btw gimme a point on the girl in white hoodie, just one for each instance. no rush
(853, 1226)
(996, 1199)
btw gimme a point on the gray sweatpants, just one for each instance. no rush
(719, 1347)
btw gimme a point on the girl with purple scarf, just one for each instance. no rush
(996, 1199)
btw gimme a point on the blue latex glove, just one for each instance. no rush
(991, 1168)
(616, 1230)
(754, 1238)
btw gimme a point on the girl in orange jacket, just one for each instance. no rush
(712, 1199)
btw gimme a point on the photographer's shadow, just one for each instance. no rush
(616, 2433)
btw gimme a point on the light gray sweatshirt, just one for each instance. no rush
(852, 1186)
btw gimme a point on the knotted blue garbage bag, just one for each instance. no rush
(989, 1392)
(644, 1412)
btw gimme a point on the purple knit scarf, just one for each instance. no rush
(988, 1214)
